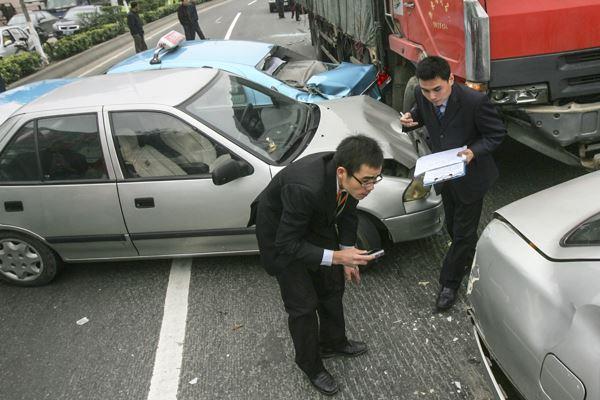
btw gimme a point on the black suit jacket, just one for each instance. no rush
(295, 215)
(470, 119)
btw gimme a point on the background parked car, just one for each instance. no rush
(58, 8)
(73, 19)
(42, 21)
(273, 6)
(534, 290)
(14, 40)
(270, 65)
(166, 163)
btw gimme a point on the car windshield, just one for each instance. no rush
(52, 4)
(17, 20)
(264, 122)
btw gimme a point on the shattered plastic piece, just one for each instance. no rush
(458, 385)
(431, 390)
(449, 319)
(424, 283)
(194, 381)
(455, 339)
(395, 322)
(426, 341)
(236, 327)
(82, 321)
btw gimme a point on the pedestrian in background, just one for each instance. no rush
(184, 18)
(306, 224)
(457, 116)
(295, 7)
(194, 25)
(279, 4)
(135, 24)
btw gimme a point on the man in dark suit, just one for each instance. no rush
(457, 116)
(306, 229)
(135, 24)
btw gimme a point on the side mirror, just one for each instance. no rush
(230, 170)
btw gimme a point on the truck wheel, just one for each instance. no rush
(409, 94)
(25, 261)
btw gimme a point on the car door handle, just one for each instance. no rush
(13, 206)
(409, 4)
(144, 202)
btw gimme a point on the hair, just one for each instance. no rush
(433, 67)
(133, 4)
(354, 151)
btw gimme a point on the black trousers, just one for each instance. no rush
(279, 4)
(191, 29)
(462, 221)
(313, 302)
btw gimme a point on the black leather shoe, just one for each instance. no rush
(446, 298)
(352, 348)
(325, 383)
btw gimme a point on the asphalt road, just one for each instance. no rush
(232, 337)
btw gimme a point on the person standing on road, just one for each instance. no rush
(457, 116)
(295, 8)
(306, 229)
(184, 19)
(279, 4)
(194, 26)
(134, 22)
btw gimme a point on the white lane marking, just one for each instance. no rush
(169, 354)
(161, 32)
(228, 34)
(289, 34)
(218, 20)
(252, 2)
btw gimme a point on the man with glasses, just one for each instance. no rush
(306, 226)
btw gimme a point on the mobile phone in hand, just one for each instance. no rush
(376, 253)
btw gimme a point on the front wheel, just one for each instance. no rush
(25, 261)
(367, 235)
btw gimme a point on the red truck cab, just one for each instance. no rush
(539, 61)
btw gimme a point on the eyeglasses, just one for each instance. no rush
(370, 181)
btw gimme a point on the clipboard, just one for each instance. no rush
(441, 166)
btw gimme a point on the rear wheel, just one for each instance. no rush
(26, 261)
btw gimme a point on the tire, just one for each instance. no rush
(367, 236)
(25, 261)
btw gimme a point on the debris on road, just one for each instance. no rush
(194, 381)
(82, 321)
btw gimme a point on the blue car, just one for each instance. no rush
(269, 65)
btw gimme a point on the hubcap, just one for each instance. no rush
(19, 260)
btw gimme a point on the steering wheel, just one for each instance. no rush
(251, 122)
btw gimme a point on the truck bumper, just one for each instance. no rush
(415, 225)
(568, 124)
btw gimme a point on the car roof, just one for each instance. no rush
(546, 217)
(241, 52)
(167, 87)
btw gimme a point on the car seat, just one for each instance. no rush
(145, 161)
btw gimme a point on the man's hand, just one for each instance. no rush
(352, 273)
(351, 256)
(468, 154)
(407, 121)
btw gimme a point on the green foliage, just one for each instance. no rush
(13, 68)
(108, 15)
(69, 45)
(153, 15)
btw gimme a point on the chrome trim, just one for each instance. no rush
(477, 42)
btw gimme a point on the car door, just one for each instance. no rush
(56, 184)
(22, 37)
(170, 202)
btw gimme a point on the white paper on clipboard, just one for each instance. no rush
(442, 166)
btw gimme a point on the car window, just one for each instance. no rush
(7, 38)
(17, 33)
(17, 19)
(70, 149)
(586, 234)
(158, 145)
(18, 161)
(258, 119)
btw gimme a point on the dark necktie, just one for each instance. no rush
(341, 198)
(438, 112)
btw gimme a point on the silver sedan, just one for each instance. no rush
(535, 294)
(165, 163)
